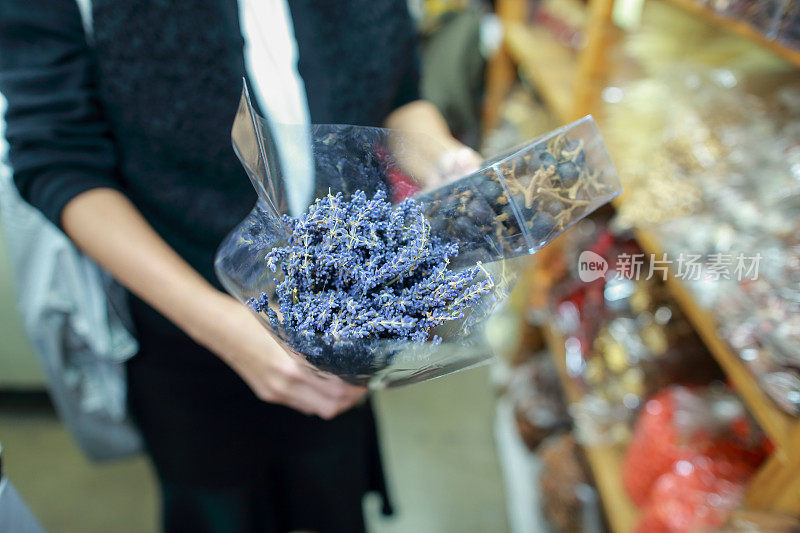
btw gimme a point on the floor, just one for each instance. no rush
(437, 436)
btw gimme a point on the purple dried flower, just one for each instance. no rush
(364, 270)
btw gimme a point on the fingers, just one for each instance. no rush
(433, 162)
(277, 377)
(468, 160)
(299, 388)
(296, 372)
(324, 406)
(305, 398)
(334, 388)
(335, 396)
(458, 162)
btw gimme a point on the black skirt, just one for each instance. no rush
(228, 461)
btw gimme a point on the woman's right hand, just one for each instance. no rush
(107, 226)
(232, 332)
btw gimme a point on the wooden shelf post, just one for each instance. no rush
(501, 69)
(593, 61)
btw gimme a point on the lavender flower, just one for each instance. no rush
(365, 270)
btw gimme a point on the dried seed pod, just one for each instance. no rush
(568, 173)
(490, 189)
(547, 159)
(580, 159)
(542, 226)
(480, 212)
(468, 229)
(449, 207)
(553, 207)
(439, 225)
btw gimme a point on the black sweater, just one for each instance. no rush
(147, 108)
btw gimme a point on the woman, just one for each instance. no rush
(124, 144)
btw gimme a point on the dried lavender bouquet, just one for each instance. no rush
(383, 291)
(359, 272)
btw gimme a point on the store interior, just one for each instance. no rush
(660, 395)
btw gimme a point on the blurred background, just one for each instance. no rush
(666, 401)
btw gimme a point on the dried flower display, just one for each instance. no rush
(365, 269)
(380, 290)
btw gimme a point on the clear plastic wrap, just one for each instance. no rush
(523, 199)
(513, 206)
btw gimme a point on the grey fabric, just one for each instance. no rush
(15, 517)
(452, 73)
(77, 319)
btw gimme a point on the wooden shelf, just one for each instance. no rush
(739, 27)
(570, 86)
(604, 461)
(546, 64)
(775, 423)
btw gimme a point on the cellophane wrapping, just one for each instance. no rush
(510, 208)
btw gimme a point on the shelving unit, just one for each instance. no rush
(775, 423)
(740, 28)
(570, 84)
(777, 485)
(546, 64)
(604, 461)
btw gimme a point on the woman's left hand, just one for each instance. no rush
(455, 161)
(434, 157)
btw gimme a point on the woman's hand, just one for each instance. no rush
(237, 337)
(107, 226)
(435, 157)
(455, 161)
